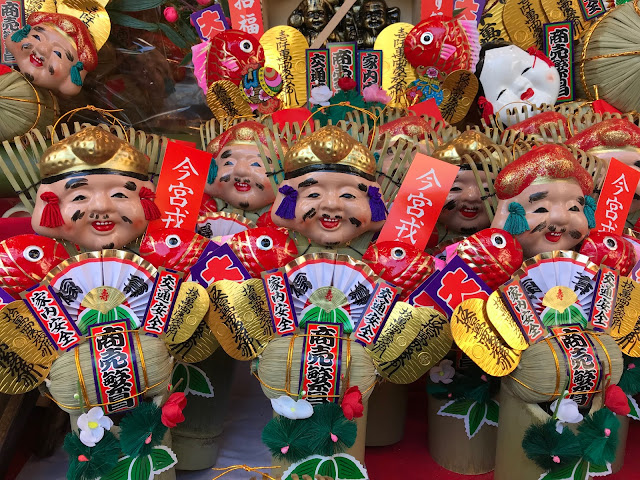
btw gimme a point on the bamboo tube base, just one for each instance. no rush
(387, 414)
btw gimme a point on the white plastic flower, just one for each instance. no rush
(442, 373)
(290, 408)
(320, 96)
(567, 413)
(92, 426)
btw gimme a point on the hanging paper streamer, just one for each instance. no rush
(379, 307)
(397, 73)
(285, 50)
(321, 362)
(616, 197)
(369, 68)
(558, 46)
(209, 22)
(283, 315)
(418, 203)
(603, 305)
(318, 69)
(180, 187)
(246, 15)
(164, 294)
(342, 61)
(12, 19)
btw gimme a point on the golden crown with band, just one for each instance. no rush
(91, 149)
(466, 143)
(330, 146)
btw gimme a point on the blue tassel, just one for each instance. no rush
(213, 171)
(590, 211)
(287, 208)
(378, 210)
(21, 34)
(76, 79)
(516, 222)
(376, 155)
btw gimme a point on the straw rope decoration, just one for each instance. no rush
(20, 157)
(610, 58)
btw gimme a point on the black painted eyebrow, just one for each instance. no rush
(226, 154)
(76, 183)
(307, 183)
(69, 55)
(362, 187)
(538, 196)
(581, 201)
(130, 186)
(38, 28)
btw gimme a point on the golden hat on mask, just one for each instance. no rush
(241, 134)
(329, 148)
(464, 144)
(92, 149)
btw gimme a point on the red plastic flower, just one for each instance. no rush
(346, 84)
(172, 410)
(352, 403)
(616, 400)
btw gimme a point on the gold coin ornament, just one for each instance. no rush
(397, 72)
(93, 14)
(502, 321)
(31, 6)
(566, 10)
(475, 336)
(491, 27)
(431, 343)
(630, 343)
(189, 309)
(26, 353)
(458, 91)
(285, 51)
(524, 20)
(239, 317)
(626, 313)
(196, 348)
(226, 101)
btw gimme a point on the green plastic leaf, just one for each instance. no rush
(599, 470)
(180, 377)
(172, 35)
(133, 5)
(162, 458)
(327, 469)
(458, 408)
(477, 414)
(633, 405)
(493, 412)
(304, 467)
(141, 468)
(582, 471)
(188, 58)
(573, 471)
(121, 470)
(199, 383)
(130, 22)
(348, 468)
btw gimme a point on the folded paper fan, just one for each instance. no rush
(101, 282)
(214, 225)
(330, 287)
(560, 286)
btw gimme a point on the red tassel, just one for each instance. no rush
(51, 215)
(151, 210)
(538, 54)
(486, 108)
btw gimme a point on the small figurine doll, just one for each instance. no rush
(54, 51)
(237, 175)
(512, 78)
(544, 200)
(95, 191)
(329, 193)
(464, 212)
(613, 138)
(373, 17)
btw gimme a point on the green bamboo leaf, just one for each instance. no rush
(493, 411)
(457, 407)
(477, 414)
(180, 378)
(633, 405)
(130, 22)
(188, 32)
(327, 468)
(348, 469)
(563, 473)
(133, 5)
(120, 471)
(306, 467)
(600, 468)
(141, 469)
(162, 458)
(173, 36)
(582, 471)
(199, 383)
(188, 58)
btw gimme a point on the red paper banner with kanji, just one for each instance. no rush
(180, 187)
(616, 197)
(246, 15)
(418, 203)
(430, 8)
